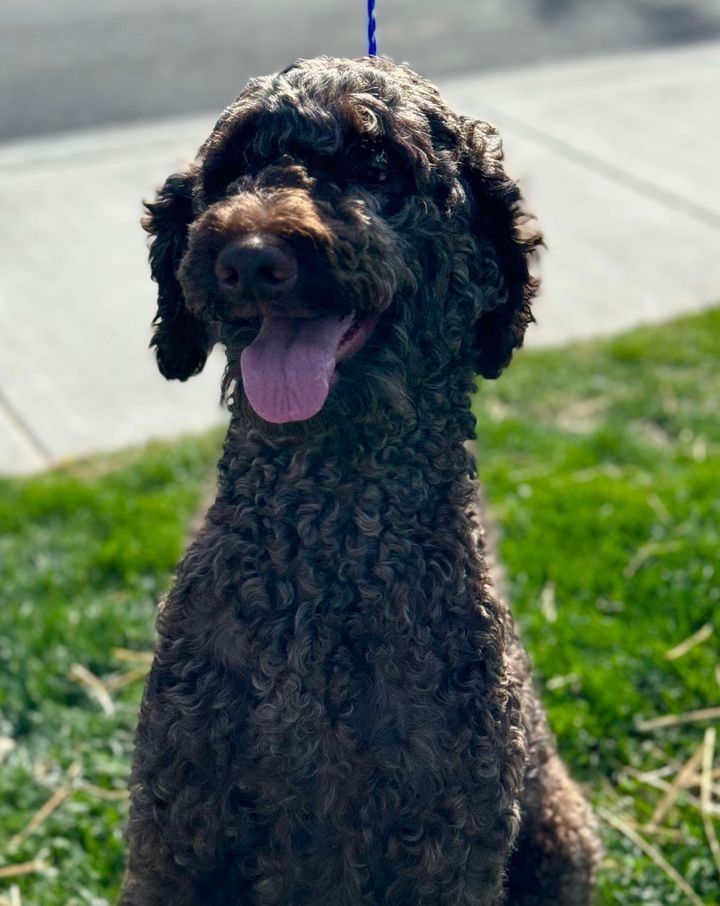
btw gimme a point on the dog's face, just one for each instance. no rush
(347, 237)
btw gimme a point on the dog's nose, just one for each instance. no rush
(255, 268)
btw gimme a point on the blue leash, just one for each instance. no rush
(372, 44)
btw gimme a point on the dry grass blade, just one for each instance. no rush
(548, 607)
(667, 770)
(7, 744)
(671, 770)
(13, 898)
(644, 553)
(44, 812)
(681, 781)
(658, 507)
(128, 654)
(697, 638)
(126, 679)
(109, 795)
(708, 758)
(560, 682)
(662, 785)
(22, 868)
(667, 834)
(663, 834)
(652, 852)
(94, 685)
(675, 720)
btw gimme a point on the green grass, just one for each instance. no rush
(602, 464)
(85, 553)
(602, 468)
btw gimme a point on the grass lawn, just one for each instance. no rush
(602, 464)
(602, 468)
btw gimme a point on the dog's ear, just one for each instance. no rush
(181, 340)
(503, 232)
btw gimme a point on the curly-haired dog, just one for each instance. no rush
(339, 712)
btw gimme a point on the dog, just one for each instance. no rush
(339, 711)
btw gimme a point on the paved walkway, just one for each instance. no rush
(617, 156)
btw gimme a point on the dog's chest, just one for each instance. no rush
(349, 609)
(352, 651)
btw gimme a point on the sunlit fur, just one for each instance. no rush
(339, 712)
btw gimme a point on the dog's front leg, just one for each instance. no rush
(177, 847)
(154, 877)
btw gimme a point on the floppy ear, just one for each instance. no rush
(499, 223)
(181, 340)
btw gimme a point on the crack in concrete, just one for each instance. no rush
(27, 434)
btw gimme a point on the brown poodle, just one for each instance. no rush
(339, 712)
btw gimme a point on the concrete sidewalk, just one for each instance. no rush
(618, 157)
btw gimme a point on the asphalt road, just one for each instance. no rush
(69, 64)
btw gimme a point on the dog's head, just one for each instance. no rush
(345, 235)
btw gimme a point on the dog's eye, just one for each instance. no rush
(368, 169)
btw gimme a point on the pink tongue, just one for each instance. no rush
(286, 370)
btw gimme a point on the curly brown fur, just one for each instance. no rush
(339, 712)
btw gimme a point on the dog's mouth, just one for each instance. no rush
(289, 367)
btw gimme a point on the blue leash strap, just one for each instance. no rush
(372, 44)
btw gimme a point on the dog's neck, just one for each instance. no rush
(429, 456)
(346, 527)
